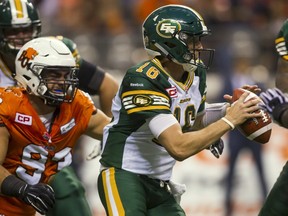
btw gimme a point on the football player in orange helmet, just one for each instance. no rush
(40, 123)
(19, 23)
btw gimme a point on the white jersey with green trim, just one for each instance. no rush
(5, 75)
(148, 90)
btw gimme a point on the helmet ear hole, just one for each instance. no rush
(26, 77)
(28, 89)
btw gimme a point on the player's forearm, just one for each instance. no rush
(282, 75)
(107, 91)
(183, 145)
(3, 174)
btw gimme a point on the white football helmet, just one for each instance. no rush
(37, 64)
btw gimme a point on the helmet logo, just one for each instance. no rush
(26, 56)
(167, 28)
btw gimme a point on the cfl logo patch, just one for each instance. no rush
(23, 119)
(167, 28)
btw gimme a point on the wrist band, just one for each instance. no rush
(11, 186)
(228, 122)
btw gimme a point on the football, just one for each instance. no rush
(257, 129)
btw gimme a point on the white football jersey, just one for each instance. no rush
(5, 75)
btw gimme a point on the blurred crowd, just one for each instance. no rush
(108, 32)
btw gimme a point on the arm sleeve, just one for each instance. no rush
(280, 114)
(90, 77)
(161, 122)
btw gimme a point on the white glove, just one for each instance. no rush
(95, 152)
(272, 98)
(177, 190)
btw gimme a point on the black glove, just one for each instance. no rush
(40, 196)
(217, 148)
(273, 98)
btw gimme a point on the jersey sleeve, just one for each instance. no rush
(281, 42)
(143, 93)
(85, 107)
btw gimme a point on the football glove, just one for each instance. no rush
(95, 152)
(272, 98)
(217, 148)
(40, 196)
(177, 190)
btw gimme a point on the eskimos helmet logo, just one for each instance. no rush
(26, 56)
(167, 28)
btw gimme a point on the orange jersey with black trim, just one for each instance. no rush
(34, 154)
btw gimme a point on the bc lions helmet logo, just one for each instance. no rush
(26, 56)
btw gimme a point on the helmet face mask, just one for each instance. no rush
(46, 68)
(19, 23)
(175, 32)
(15, 38)
(57, 84)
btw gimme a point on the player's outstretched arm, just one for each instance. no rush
(96, 124)
(107, 91)
(40, 196)
(276, 103)
(183, 145)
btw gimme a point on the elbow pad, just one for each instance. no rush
(214, 112)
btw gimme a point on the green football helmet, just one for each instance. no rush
(19, 23)
(281, 41)
(168, 31)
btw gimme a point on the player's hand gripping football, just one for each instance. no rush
(217, 148)
(40, 196)
(272, 98)
(241, 110)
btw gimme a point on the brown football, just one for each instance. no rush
(257, 129)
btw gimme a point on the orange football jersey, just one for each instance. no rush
(34, 154)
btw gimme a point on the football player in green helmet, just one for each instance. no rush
(276, 101)
(160, 117)
(19, 23)
(170, 37)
